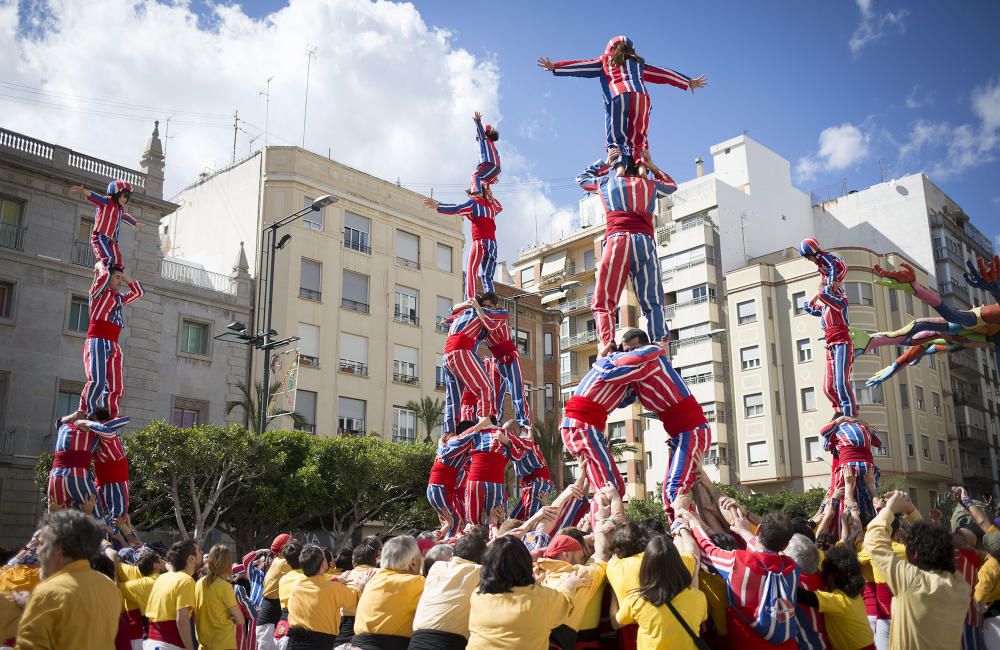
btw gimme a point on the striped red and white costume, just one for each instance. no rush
(111, 473)
(626, 102)
(967, 565)
(485, 487)
(665, 393)
(505, 364)
(810, 621)
(482, 213)
(831, 306)
(107, 225)
(604, 388)
(102, 357)
(534, 479)
(629, 248)
(442, 486)
(71, 482)
(488, 170)
(460, 359)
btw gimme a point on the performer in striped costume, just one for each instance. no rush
(830, 305)
(489, 450)
(852, 440)
(629, 248)
(102, 357)
(506, 361)
(71, 482)
(531, 471)
(442, 486)
(482, 213)
(488, 170)
(624, 75)
(111, 475)
(468, 327)
(107, 221)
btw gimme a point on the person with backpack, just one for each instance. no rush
(761, 585)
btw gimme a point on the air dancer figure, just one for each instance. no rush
(831, 305)
(107, 222)
(624, 75)
(629, 247)
(487, 172)
(482, 212)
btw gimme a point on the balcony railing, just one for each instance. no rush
(715, 460)
(964, 359)
(972, 433)
(351, 426)
(400, 434)
(354, 305)
(354, 367)
(356, 241)
(975, 471)
(83, 254)
(576, 303)
(694, 340)
(308, 361)
(310, 294)
(410, 264)
(410, 318)
(968, 398)
(578, 339)
(197, 277)
(670, 310)
(948, 255)
(12, 236)
(405, 378)
(669, 273)
(7, 440)
(956, 289)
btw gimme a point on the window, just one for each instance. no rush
(746, 312)
(904, 396)
(407, 306)
(439, 371)
(550, 397)
(351, 415)
(799, 301)
(355, 292)
(305, 405)
(549, 346)
(444, 258)
(697, 374)
(808, 399)
(404, 427)
(407, 250)
(893, 300)
(936, 403)
(314, 218)
(11, 231)
(873, 395)
(690, 332)
(931, 363)
(565, 363)
(309, 345)
(753, 405)
(649, 460)
(404, 365)
(6, 300)
(67, 399)
(527, 275)
(909, 445)
(756, 453)
(616, 431)
(194, 337)
(79, 318)
(814, 450)
(942, 451)
(84, 230)
(442, 312)
(310, 280)
(353, 354)
(908, 302)
(919, 397)
(523, 339)
(357, 232)
(859, 293)
(187, 413)
(588, 259)
(882, 451)
(750, 357)
(805, 350)
(925, 447)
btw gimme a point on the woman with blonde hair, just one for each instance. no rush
(216, 611)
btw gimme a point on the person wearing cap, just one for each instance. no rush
(481, 211)
(269, 612)
(171, 602)
(386, 609)
(107, 221)
(315, 604)
(441, 621)
(487, 172)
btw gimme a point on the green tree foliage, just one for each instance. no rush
(430, 412)
(796, 504)
(249, 401)
(640, 510)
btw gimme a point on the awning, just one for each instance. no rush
(555, 263)
(553, 297)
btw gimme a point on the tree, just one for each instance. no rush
(549, 439)
(429, 412)
(249, 402)
(644, 509)
(795, 504)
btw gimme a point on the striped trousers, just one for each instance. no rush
(484, 174)
(482, 263)
(469, 373)
(532, 496)
(512, 382)
(585, 441)
(687, 450)
(627, 124)
(481, 498)
(629, 255)
(452, 400)
(444, 501)
(837, 381)
(102, 363)
(106, 249)
(70, 487)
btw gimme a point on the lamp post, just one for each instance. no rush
(565, 286)
(265, 342)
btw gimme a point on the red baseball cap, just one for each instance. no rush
(280, 542)
(561, 544)
(425, 545)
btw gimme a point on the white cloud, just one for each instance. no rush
(955, 149)
(388, 93)
(873, 26)
(839, 148)
(914, 100)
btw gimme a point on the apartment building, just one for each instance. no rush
(778, 370)
(174, 370)
(364, 283)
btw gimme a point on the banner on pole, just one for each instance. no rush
(285, 371)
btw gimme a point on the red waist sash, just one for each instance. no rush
(456, 342)
(71, 460)
(487, 467)
(165, 631)
(102, 329)
(586, 410)
(483, 228)
(115, 471)
(852, 454)
(441, 474)
(541, 472)
(683, 416)
(504, 352)
(631, 222)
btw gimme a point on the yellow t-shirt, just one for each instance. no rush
(171, 591)
(137, 592)
(659, 629)
(520, 619)
(866, 560)
(279, 567)
(211, 614)
(287, 584)
(125, 572)
(623, 573)
(846, 621)
(592, 583)
(988, 581)
(19, 578)
(315, 604)
(389, 603)
(714, 587)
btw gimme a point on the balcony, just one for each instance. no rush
(973, 434)
(670, 272)
(354, 367)
(968, 398)
(715, 461)
(581, 338)
(351, 426)
(357, 240)
(670, 310)
(948, 255)
(576, 304)
(83, 254)
(405, 378)
(410, 264)
(308, 361)
(406, 317)
(964, 361)
(976, 472)
(197, 277)
(354, 305)
(310, 294)
(955, 289)
(442, 325)
(683, 343)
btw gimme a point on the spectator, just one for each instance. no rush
(136, 594)
(883, 595)
(171, 600)
(74, 606)
(441, 621)
(510, 611)
(217, 614)
(363, 559)
(270, 607)
(812, 627)
(437, 553)
(384, 619)
(841, 602)
(667, 609)
(930, 602)
(315, 604)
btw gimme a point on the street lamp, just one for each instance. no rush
(565, 286)
(263, 340)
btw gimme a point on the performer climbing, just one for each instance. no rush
(531, 471)
(71, 482)
(482, 213)
(487, 172)
(463, 367)
(442, 487)
(624, 75)
(506, 361)
(107, 222)
(629, 248)
(490, 450)
(111, 476)
(851, 440)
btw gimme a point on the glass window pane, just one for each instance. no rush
(407, 246)
(444, 257)
(356, 287)
(312, 219)
(757, 453)
(310, 273)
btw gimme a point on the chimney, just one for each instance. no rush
(699, 167)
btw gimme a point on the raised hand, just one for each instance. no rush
(698, 82)
(430, 203)
(477, 116)
(544, 62)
